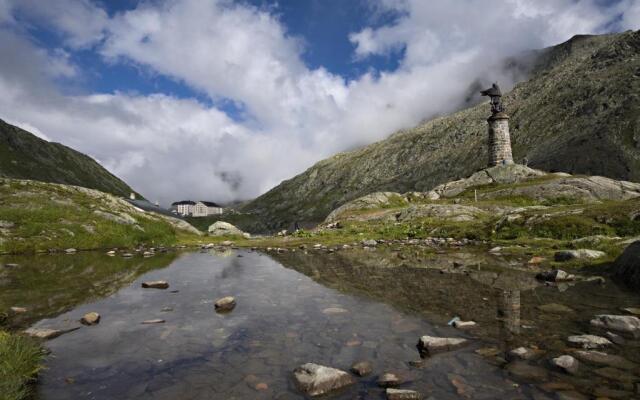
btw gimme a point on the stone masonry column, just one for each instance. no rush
(499, 140)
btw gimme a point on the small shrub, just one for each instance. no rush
(20, 362)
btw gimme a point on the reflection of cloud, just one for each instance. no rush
(235, 53)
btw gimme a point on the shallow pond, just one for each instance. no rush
(293, 308)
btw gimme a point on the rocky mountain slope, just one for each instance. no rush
(25, 156)
(577, 112)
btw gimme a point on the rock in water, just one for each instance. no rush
(153, 321)
(362, 368)
(155, 285)
(315, 380)
(18, 310)
(526, 372)
(556, 275)
(92, 318)
(389, 379)
(619, 323)
(400, 394)
(225, 304)
(626, 268)
(588, 341)
(609, 360)
(580, 254)
(566, 363)
(430, 345)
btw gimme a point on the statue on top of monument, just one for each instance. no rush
(496, 98)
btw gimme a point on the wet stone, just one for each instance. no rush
(566, 363)
(91, 318)
(155, 285)
(48, 333)
(402, 394)
(18, 310)
(153, 321)
(615, 374)
(225, 304)
(556, 275)
(611, 393)
(430, 345)
(389, 379)
(601, 358)
(620, 323)
(588, 341)
(524, 353)
(571, 395)
(315, 380)
(362, 368)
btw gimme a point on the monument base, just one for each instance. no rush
(499, 140)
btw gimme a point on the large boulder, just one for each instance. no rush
(221, 228)
(370, 201)
(452, 212)
(627, 267)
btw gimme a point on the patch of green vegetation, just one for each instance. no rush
(40, 216)
(560, 227)
(20, 361)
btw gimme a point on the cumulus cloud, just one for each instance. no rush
(170, 148)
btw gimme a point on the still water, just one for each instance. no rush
(331, 309)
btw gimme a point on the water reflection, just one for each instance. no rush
(333, 309)
(47, 285)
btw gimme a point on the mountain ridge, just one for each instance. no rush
(26, 156)
(574, 113)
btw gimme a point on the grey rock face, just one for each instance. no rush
(626, 268)
(430, 345)
(315, 380)
(221, 228)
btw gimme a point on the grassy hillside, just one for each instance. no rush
(25, 156)
(576, 113)
(37, 216)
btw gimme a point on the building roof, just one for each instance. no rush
(209, 203)
(181, 202)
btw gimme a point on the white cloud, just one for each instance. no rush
(170, 148)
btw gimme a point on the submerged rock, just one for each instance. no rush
(588, 341)
(402, 394)
(524, 353)
(566, 363)
(620, 323)
(527, 372)
(604, 359)
(555, 308)
(389, 379)
(315, 380)
(430, 345)
(362, 368)
(91, 318)
(153, 321)
(225, 304)
(464, 324)
(155, 285)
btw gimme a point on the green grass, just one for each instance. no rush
(20, 361)
(47, 216)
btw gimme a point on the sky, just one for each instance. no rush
(221, 100)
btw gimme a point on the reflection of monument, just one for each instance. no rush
(509, 311)
(499, 139)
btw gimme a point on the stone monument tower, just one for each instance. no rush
(499, 139)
